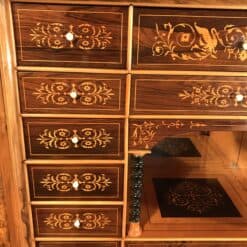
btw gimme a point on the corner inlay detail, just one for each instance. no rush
(144, 133)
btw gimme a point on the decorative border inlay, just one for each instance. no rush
(87, 93)
(86, 138)
(86, 182)
(87, 221)
(201, 42)
(144, 133)
(85, 36)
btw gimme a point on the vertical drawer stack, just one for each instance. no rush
(72, 78)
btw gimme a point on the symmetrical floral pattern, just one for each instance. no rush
(193, 42)
(144, 134)
(88, 221)
(87, 182)
(87, 93)
(87, 138)
(85, 36)
(194, 198)
(221, 96)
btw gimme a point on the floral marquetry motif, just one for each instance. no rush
(86, 221)
(144, 134)
(58, 36)
(86, 93)
(86, 138)
(87, 182)
(221, 96)
(186, 41)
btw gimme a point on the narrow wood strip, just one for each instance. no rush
(73, 162)
(35, 115)
(71, 203)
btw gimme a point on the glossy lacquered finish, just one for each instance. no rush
(79, 244)
(188, 39)
(79, 221)
(188, 95)
(70, 35)
(73, 138)
(76, 182)
(42, 92)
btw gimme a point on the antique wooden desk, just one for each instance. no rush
(90, 87)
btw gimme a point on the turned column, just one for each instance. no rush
(136, 187)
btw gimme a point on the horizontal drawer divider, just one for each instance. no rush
(76, 239)
(73, 162)
(82, 203)
(72, 116)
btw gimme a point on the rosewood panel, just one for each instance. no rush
(76, 182)
(188, 95)
(70, 35)
(186, 244)
(42, 92)
(80, 221)
(73, 138)
(189, 39)
(78, 244)
(145, 133)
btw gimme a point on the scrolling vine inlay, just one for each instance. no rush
(88, 221)
(144, 133)
(87, 93)
(84, 36)
(86, 138)
(221, 96)
(185, 41)
(86, 182)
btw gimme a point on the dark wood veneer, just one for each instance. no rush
(42, 92)
(189, 39)
(96, 182)
(100, 35)
(79, 244)
(51, 138)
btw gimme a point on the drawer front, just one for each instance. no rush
(78, 244)
(145, 133)
(186, 244)
(76, 182)
(70, 35)
(71, 93)
(73, 138)
(189, 39)
(189, 95)
(80, 221)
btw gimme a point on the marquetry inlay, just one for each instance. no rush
(143, 134)
(86, 221)
(86, 93)
(84, 36)
(87, 182)
(86, 138)
(184, 41)
(221, 96)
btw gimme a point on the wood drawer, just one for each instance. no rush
(76, 182)
(73, 138)
(189, 39)
(42, 92)
(186, 244)
(189, 95)
(79, 244)
(70, 35)
(80, 221)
